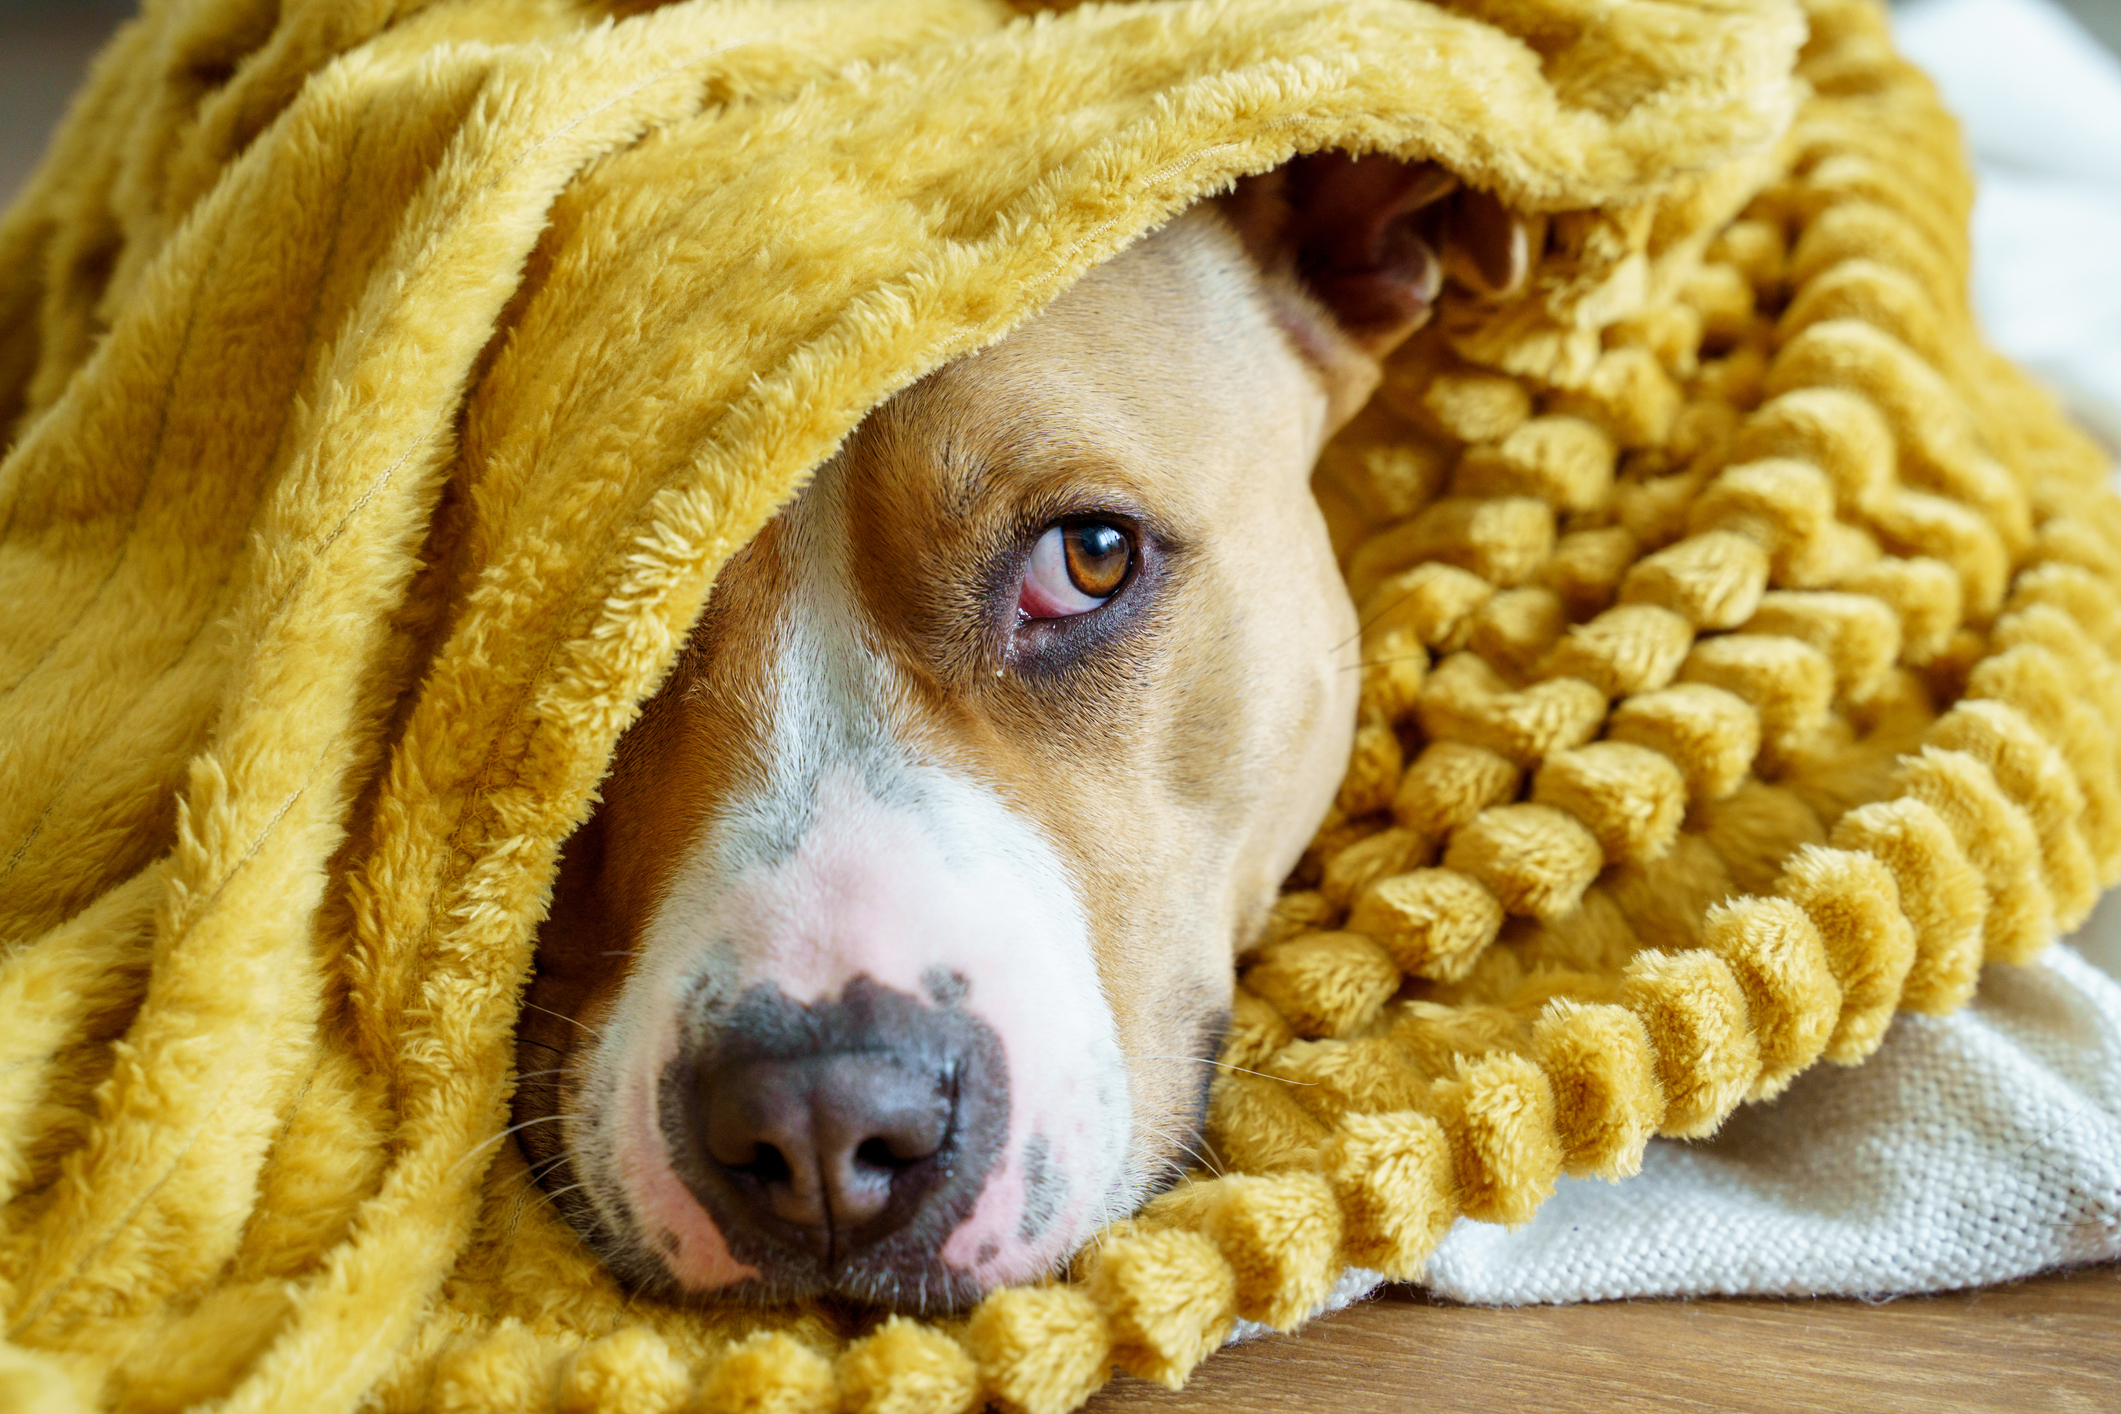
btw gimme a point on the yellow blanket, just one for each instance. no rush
(386, 380)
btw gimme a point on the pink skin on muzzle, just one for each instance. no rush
(957, 883)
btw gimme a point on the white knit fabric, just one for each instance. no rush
(1972, 1148)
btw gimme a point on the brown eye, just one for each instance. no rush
(1098, 556)
(1075, 567)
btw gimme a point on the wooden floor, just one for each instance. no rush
(2049, 1344)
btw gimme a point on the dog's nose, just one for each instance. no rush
(837, 1146)
(841, 1144)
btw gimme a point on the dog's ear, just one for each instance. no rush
(1373, 239)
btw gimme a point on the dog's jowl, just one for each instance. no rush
(895, 960)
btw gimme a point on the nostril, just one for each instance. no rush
(742, 1124)
(880, 1154)
(767, 1165)
(889, 1128)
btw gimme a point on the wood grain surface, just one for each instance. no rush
(2049, 1344)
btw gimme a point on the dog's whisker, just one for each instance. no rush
(1176, 1142)
(1365, 625)
(497, 1138)
(545, 1166)
(565, 1017)
(1226, 1065)
(1382, 662)
(550, 1198)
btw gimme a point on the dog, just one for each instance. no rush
(895, 960)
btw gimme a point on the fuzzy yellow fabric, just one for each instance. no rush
(387, 379)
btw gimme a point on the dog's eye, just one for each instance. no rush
(1074, 568)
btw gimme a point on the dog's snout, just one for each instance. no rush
(830, 1144)
(839, 1143)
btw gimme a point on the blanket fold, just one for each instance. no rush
(386, 381)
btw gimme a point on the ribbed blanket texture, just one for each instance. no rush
(385, 381)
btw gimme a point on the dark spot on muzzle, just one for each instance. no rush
(1045, 1189)
(945, 988)
(838, 1144)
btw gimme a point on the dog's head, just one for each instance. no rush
(896, 958)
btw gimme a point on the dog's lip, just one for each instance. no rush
(669, 1222)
